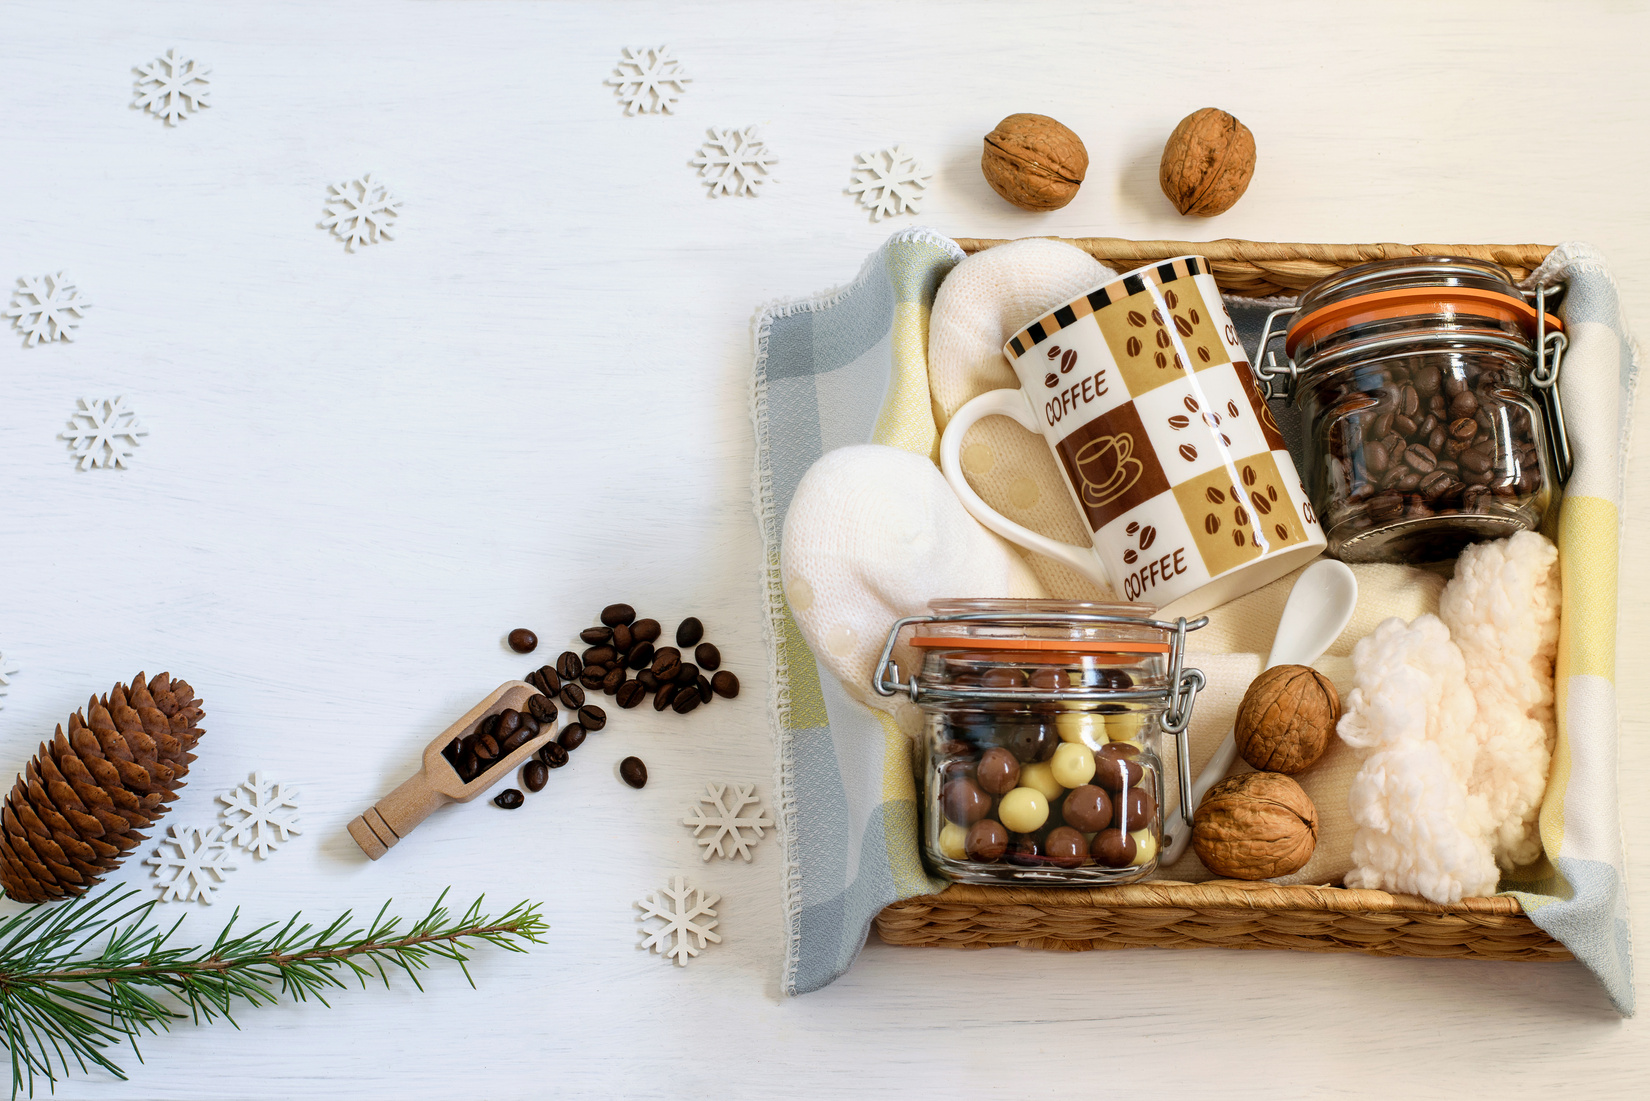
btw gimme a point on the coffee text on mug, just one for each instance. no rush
(1154, 573)
(1078, 393)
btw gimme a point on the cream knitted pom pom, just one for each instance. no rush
(873, 534)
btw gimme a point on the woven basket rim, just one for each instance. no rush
(1219, 893)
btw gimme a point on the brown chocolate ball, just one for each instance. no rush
(1088, 808)
(1031, 741)
(1113, 848)
(964, 802)
(1024, 849)
(1114, 770)
(1136, 810)
(1065, 847)
(1048, 679)
(998, 771)
(1003, 678)
(986, 841)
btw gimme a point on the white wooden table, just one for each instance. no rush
(362, 470)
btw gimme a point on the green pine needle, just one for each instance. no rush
(79, 979)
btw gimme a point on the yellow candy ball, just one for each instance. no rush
(1041, 777)
(1023, 810)
(1145, 847)
(1125, 727)
(1073, 764)
(1081, 727)
(951, 841)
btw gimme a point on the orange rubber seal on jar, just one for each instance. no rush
(1409, 302)
(1038, 645)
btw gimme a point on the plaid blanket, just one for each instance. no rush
(850, 366)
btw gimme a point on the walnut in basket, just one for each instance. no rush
(1286, 719)
(1255, 826)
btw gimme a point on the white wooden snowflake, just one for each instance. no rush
(256, 812)
(734, 162)
(171, 87)
(649, 80)
(728, 823)
(103, 433)
(46, 308)
(7, 671)
(360, 211)
(689, 921)
(889, 181)
(190, 863)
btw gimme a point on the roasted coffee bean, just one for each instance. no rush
(1405, 424)
(1410, 401)
(666, 662)
(1463, 428)
(641, 655)
(685, 700)
(516, 739)
(686, 673)
(469, 767)
(523, 641)
(630, 694)
(1436, 440)
(571, 736)
(1435, 485)
(1375, 458)
(542, 708)
(509, 799)
(1464, 404)
(1383, 426)
(708, 656)
(622, 639)
(633, 771)
(662, 698)
(645, 630)
(615, 614)
(1477, 460)
(1427, 379)
(553, 754)
(488, 725)
(536, 679)
(689, 631)
(572, 697)
(592, 676)
(593, 717)
(615, 677)
(1388, 506)
(534, 774)
(597, 636)
(647, 680)
(705, 690)
(486, 749)
(725, 684)
(508, 720)
(568, 666)
(600, 655)
(1419, 458)
(549, 680)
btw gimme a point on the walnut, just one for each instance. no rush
(1207, 163)
(1255, 826)
(1034, 162)
(1286, 719)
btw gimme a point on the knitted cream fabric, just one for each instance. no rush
(985, 300)
(873, 534)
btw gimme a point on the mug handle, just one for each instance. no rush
(1011, 404)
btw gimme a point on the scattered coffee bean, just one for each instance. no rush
(571, 736)
(633, 771)
(593, 718)
(689, 631)
(523, 641)
(647, 680)
(592, 676)
(686, 673)
(568, 666)
(725, 684)
(509, 799)
(641, 655)
(645, 630)
(708, 656)
(572, 697)
(596, 636)
(666, 662)
(599, 655)
(542, 708)
(662, 698)
(705, 691)
(622, 640)
(553, 754)
(548, 680)
(535, 773)
(615, 614)
(630, 694)
(685, 700)
(615, 677)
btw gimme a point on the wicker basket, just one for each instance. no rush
(1225, 913)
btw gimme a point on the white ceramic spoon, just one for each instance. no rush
(1318, 610)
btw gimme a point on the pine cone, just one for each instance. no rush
(77, 809)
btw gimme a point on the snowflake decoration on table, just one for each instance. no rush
(47, 308)
(889, 181)
(7, 671)
(689, 921)
(729, 823)
(254, 812)
(103, 433)
(649, 80)
(190, 864)
(734, 162)
(359, 211)
(171, 87)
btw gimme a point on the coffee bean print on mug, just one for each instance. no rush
(1112, 465)
(1233, 520)
(1160, 334)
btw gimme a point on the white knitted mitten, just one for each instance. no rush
(873, 534)
(985, 300)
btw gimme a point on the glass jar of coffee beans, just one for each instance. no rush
(1421, 429)
(1042, 756)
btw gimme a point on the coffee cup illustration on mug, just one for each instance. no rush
(1149, 406)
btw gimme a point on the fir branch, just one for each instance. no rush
(81, 978)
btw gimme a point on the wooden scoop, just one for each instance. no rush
(437, 783)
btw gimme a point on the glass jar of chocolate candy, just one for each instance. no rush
(1429, 414)
(1042, 756)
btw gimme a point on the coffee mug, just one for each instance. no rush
(1148, 403)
